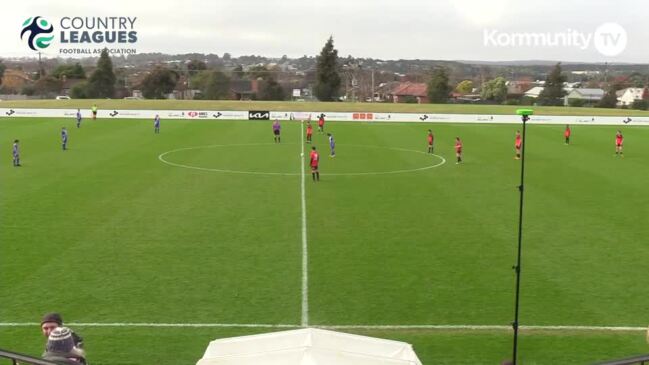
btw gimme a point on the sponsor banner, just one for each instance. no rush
(363, 116)
(126, 113)
(334, 116)
(281, 116)
(302, 116)
(229, 115)
(329, 116)
(258, 115)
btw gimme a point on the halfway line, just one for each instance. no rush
(305, 256)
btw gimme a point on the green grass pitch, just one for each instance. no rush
(107, 233)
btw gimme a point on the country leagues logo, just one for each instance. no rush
(38, 29)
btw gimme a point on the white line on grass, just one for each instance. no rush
(305, 256)
(144, 324)
(345, 327)
(162, 158)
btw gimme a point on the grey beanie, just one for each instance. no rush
(60, 340)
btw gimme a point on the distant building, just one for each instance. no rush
(627, 96)
(518, 88)
(382, 92)
(404, 91)
(534, 92)
(13, 81)
(586, 96)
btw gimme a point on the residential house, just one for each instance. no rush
(533, 92)
(585, 96)
(405, 91)
(13, 81)
(626, 97)
(519, 87)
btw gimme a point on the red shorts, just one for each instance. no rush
(458, 151)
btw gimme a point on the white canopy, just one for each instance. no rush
(308, 346)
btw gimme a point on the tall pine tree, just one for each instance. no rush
(327, 85)
(101, 83)
(553, 92)
(438, 86)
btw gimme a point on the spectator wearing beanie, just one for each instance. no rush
(61, 350)
(51, 321)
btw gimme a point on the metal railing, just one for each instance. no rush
(642, 360)
(17, 358)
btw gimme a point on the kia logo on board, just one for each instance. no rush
(258, 115)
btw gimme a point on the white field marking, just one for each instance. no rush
(161, 158)
(344, 327)
(305, 254)
(442, 161)
(144, 324)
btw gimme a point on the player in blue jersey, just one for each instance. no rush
(156, 124)
(16, 153)
(332, 145)
(64, 138)
(78, 118)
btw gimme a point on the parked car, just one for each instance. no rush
(62, 97)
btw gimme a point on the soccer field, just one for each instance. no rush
(204, 225)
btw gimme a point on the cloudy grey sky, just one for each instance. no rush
(387, 29)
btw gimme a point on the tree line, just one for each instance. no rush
(214, 84)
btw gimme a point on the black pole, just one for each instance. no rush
(517, 268)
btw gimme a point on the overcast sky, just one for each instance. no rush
(386, 29)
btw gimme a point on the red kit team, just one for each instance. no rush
(314, 157)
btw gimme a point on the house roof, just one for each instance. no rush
(534, 92)
(632, 91)
(593, 94)
(410, 89)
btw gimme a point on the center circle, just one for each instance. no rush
(271, 159)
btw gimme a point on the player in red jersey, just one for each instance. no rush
(431, 139)
(309, 131)
(518, 144)
(458, 149)
(315, 159)
(567, 133)
(619, 141)
(321, 123)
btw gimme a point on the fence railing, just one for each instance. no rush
(18, 358)
(642, 360)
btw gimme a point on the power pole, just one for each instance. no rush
(372, 94)
(40, 66)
